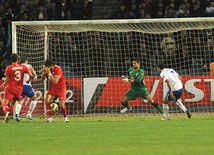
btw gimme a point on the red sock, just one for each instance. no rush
(48, 108)
(5, 108)
(64, 111)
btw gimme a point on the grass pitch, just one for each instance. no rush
(122, 135)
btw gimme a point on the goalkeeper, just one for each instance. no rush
(138, 88)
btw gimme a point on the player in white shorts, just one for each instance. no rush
(173, 80)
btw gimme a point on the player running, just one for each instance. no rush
(14, 84)
(28, 89)
(173, 81)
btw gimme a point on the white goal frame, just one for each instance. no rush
(150, 26)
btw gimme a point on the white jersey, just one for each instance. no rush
(172, 76)
(26, 76)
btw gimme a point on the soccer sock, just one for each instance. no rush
(5, 108)
(180, 104)
(18, 108)
(166, 109)
(48, 108)
(32, 107)
(64, 110)
(157, 107)
(126, 104)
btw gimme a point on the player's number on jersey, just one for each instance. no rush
(18, 76)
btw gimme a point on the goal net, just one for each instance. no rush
(95, 54)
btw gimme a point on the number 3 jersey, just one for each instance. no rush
(15, 73)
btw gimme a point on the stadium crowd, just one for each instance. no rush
(141, 9)
(42, 10)
(37, 10)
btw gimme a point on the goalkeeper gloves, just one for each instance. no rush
(125, 79)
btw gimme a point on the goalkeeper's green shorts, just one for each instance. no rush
(132, 94)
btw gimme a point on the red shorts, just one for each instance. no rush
(59, 94)
(12, 93)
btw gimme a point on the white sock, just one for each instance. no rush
(32, 107)
(18, 108)
(180, 104)
(166, 109)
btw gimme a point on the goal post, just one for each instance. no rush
(94, 54)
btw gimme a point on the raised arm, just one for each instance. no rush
(52, 78)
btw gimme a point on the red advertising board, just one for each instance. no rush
(73, 101)
(198, 91)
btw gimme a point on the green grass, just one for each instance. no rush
(140, 135)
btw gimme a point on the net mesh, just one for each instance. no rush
(95, 54)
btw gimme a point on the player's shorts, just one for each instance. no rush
(27, 91)
(132, 94)
(59, 94)
(12, 93)
(177, 95)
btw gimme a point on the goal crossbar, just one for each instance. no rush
(139, 25)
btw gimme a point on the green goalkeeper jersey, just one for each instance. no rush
(139, 77)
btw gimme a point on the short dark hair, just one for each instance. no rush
(160, 65)
(137, 60)
(24, 59)
(14, 57)
(48, 63)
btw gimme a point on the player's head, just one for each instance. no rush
(14, 58)
(24, 60)
(48, 63)
(136, 63)
(160, 66)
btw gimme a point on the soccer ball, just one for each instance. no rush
(54, 107)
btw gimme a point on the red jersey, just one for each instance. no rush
(15, 73)
(57, 71)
